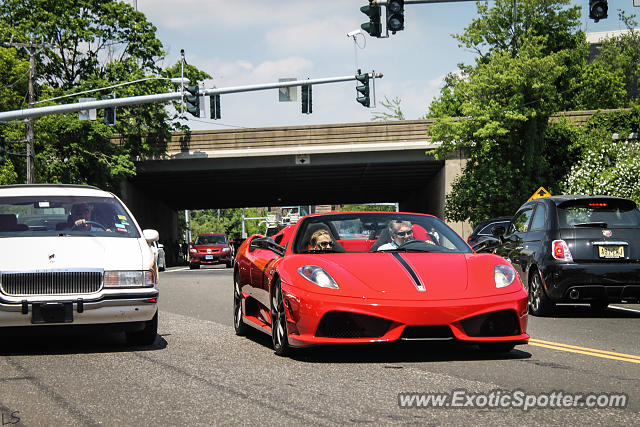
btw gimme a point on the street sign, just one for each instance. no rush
(89, 114)
(303, 159)
(287, 94)
(540, 192)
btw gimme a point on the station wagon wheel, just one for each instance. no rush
(279, 334)
(147, 335)
(238, 324)
(539, 303)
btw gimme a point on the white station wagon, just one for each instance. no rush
(74, 255)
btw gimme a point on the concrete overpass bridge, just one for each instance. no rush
(296, 165)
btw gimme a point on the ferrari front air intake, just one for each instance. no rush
(339, 324)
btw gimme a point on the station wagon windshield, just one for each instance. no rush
(59, 215)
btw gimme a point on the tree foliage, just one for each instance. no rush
(393, 110)
(228, 221)
(610, 156)
(91, 44)
(528, 67)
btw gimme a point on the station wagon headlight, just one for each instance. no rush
(318, 276)
(504, 275)
(129, 279)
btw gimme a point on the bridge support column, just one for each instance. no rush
(431, 198)
(151, 213)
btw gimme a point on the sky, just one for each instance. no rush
(245, 42)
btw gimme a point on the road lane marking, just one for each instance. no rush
(624, 309)
(586, 351)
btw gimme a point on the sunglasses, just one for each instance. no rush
(403, 233)
(325, 244)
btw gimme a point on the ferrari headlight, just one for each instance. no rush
(318, 276)
(225, 249)
(504, 275)
(129, 279)
(193, 250)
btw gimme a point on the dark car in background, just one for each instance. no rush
(575, 249)
(484, 230)
(209, 249)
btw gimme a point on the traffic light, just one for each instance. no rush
(363, 91)
(306, 99)
(214, 106)
(598, 9)
(193, 101)
(395, 15)
(110, 112)
(373, 27)
(3, 150)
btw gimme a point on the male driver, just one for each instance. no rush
(400, 232)
(82, 218)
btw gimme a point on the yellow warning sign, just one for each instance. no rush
(540, 192)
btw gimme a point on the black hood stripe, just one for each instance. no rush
(412, 273)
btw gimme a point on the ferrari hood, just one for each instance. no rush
(74, 252)
(396, 275)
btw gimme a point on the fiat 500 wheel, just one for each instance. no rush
(539, 303)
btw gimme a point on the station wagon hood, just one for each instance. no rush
(74, 252)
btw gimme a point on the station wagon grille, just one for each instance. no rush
(51, 283)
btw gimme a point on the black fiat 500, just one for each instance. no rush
(582, 249)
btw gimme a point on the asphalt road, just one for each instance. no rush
(199, 373)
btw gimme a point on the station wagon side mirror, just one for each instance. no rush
(150, 235)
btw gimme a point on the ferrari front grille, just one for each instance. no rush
(339, 324)
(502, 323)
(429, 332)
(50, 283)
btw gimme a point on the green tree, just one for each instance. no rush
(526, 62)
(93, 44)
(609, 163)
(611, 79)
(393, 110)
(227, 221)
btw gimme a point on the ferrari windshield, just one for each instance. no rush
(376, 232)
(64, 215)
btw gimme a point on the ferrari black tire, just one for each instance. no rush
(238, 324)
(194, 266)
(539, 303)
(497, 347)
(598, 306)
(229, 264)
(279, 334)
(146, 336)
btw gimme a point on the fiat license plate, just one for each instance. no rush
(611, 251)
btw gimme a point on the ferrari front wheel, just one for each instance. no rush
(238, 324)
(279, 334)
